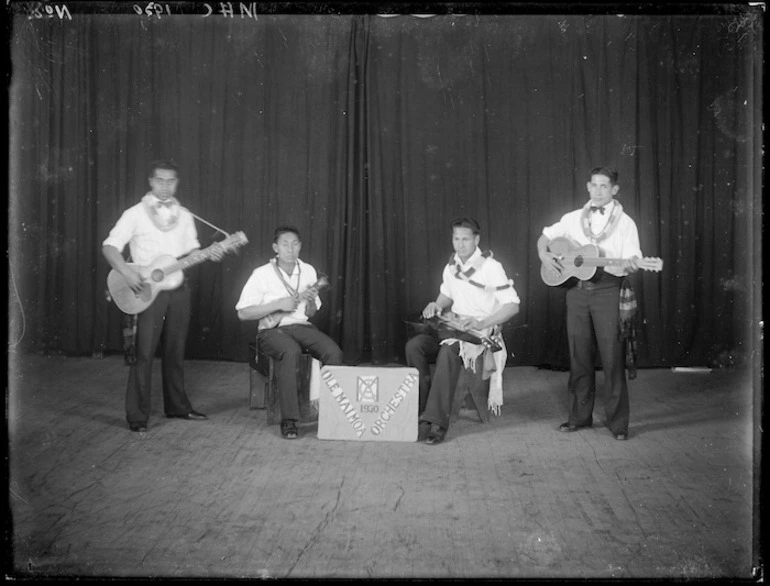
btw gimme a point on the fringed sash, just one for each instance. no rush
(627, 325)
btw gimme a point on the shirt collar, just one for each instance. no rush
(471, 258)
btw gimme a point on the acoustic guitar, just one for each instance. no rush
(273, 319)
(163, 274)
(446, 326)
(582, 261)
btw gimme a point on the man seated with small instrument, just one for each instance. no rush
(482, 298)
(593, 298)
(157, 226)
(282, 295)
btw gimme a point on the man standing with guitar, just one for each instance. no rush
(593, 304)
(282, 295)
(156, 226)
(474, 285)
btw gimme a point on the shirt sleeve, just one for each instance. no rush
(122, 231)
(555, 230)
(253, 292)
(445, 289)
(498, 278)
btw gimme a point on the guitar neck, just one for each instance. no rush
(190, 260)
(603, 262)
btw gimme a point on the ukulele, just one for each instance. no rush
(582, 261)
(162, 274)
(273, 319)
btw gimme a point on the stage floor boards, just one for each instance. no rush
(513, 498)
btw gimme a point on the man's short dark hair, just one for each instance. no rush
(607, 172)
(285, 230)
(466, 222)
(165, 164)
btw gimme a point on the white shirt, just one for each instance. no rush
(264, 286)
(623, 242)
(470, 300)
(146, 241)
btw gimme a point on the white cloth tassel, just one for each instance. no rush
(315, 382)
(470, 352)
(495, 401)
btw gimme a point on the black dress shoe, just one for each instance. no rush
(192, 416)
(289, 429)
(137, 426)
(435, 435)
(568, 427)
(422, 430)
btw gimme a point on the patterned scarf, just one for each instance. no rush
(466, 275)
(627, 325)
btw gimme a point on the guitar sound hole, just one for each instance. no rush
(578, 261)
(157, 275)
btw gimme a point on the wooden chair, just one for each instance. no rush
(470, 396)
(263, 393)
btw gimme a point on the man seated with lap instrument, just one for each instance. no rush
(482, 298)
(282, 295)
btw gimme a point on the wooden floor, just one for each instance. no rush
(513, 498)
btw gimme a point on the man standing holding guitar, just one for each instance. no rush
(157, 226)
(593, 299)
(282, 295)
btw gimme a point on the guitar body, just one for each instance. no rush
(156, 279)
(573, 261)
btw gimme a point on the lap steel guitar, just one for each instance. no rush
(163, 274)
(447, 326)
(582, 261)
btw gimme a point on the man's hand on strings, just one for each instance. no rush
(288, 303)
(134, 280)
(551, 260)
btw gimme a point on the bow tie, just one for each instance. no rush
(170, 203)
(599, 209)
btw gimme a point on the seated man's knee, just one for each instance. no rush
(292, 356)
(334, 357)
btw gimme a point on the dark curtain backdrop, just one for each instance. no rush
(370, 135)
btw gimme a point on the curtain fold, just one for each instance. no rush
(370, 135)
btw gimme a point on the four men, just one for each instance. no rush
(475, 296)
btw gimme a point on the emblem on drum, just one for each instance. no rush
(368, 389)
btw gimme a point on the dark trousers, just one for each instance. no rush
(592, 322)
(450, 373)
(167, 321)
(285, 345)
(420, 351)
